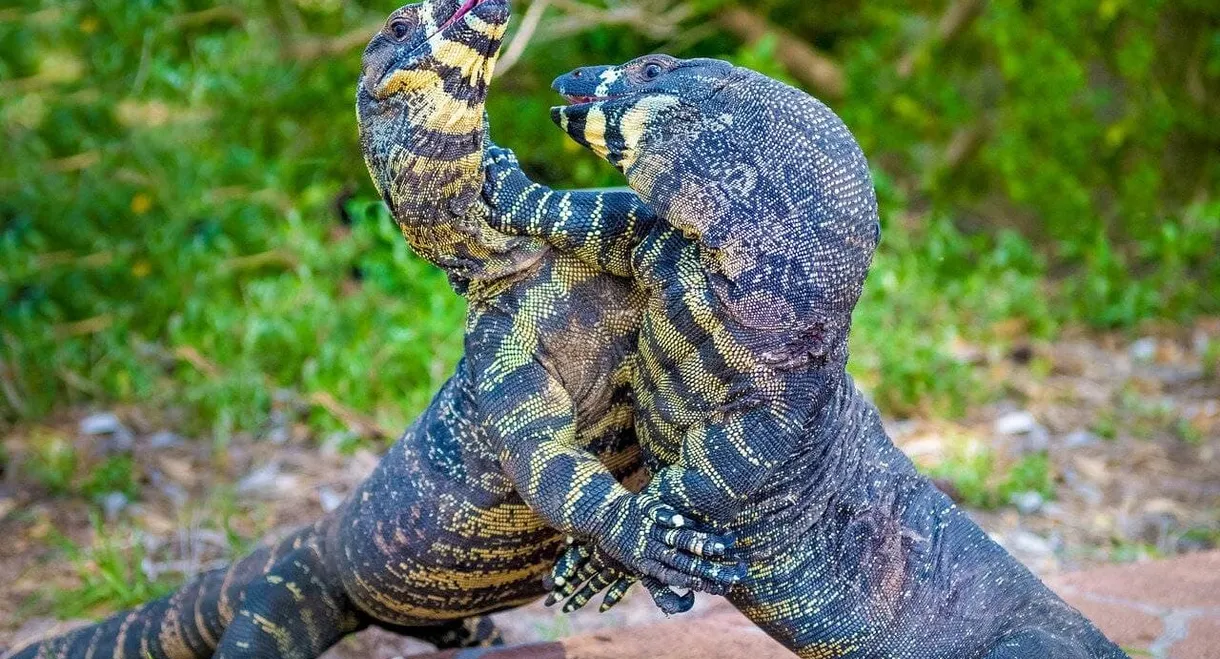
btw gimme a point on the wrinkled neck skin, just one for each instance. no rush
(909, 573)
(423, 130)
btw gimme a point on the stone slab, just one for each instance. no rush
(1167, 610)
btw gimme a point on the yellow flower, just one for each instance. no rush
(140, 204)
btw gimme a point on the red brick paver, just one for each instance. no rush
(1168, 610)
(1165, 609)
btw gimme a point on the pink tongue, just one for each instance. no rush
(465, 9)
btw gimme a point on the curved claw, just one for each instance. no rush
(666, 599)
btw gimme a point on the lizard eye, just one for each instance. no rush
(399, 29)
(652, 71)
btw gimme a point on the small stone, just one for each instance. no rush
(165, 439)
(1080, 439)
(174, 492)
(330, 499)
(1016, 423)
(1024, 542)
(1089, 493)
(119, 438)
(1144, 350)
(1201, 342)
(1027, 503)
(265, 481)
(104, 423)
(1034, 437)
(1037, 440)
(114, 503)
(279, 435)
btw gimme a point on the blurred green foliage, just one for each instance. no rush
(55, 463)
(978, 481)
(173, 172)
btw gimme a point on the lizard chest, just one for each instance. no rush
(691, 366)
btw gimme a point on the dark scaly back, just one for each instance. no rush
(423, 130)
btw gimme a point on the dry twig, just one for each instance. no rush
(656, 19)
(357, 422)
(307, 50)
(215, 15)
(8, 386)
(192, 356)
(958, 17)
(529, 25)
(84, 327)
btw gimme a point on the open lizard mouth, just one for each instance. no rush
(574, 99)
(466, 8)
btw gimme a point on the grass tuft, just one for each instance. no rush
(111, 573)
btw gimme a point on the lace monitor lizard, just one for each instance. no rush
(537, 413)
(745, 413)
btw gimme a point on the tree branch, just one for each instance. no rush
(819, 72)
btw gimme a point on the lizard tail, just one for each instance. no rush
(187, 624)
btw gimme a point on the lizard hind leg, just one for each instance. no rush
(296, 611)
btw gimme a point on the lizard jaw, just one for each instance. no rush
(581, 100)
(576, 100)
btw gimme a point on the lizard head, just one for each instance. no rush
(621, 112)
(768, 180)
(423, 130)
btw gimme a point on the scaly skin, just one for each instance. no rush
(745, 413)
(440, 533)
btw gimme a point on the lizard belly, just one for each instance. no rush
(438, 532)
(691, 368)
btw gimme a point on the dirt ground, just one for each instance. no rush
(1131, 428)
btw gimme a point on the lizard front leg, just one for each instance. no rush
(296, 611)
(722, 464)
(601, 228)
(533, 428)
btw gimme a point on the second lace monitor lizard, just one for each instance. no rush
(745, 413)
